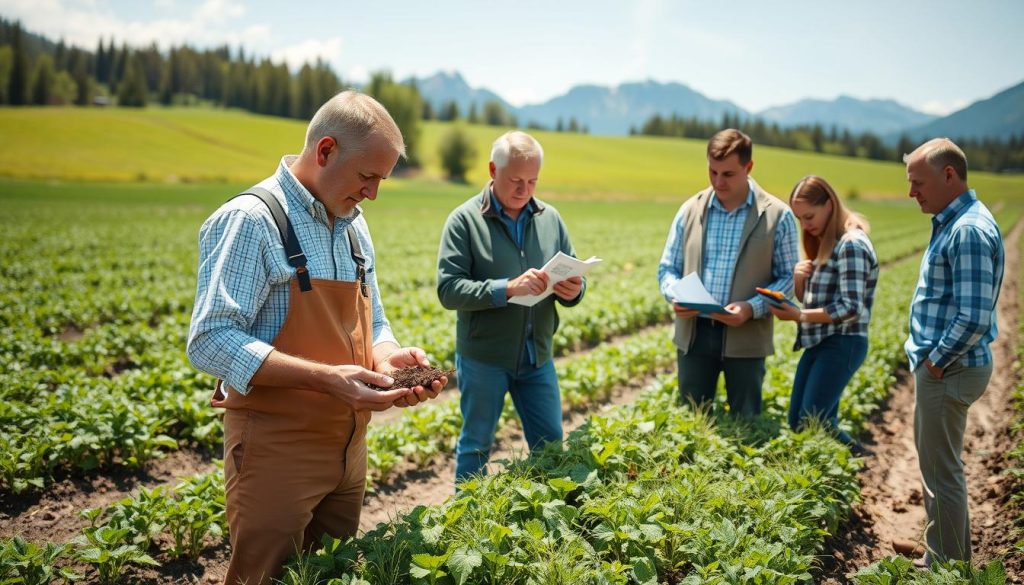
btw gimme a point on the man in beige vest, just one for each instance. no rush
(736, 237)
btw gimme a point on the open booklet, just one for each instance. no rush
(559, 268)
(689, 292)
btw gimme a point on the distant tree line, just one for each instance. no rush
(990, 154)
(37, 71)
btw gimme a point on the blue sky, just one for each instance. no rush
(935, 56)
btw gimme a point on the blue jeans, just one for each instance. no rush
(483, 386)
(821, 376)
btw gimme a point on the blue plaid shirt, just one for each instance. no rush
(844, 287)
(952, 316)
(242, 290)
(725, 229)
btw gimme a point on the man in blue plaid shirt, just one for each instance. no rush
(736, 237)
(952, 323)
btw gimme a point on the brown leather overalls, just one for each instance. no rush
(295, 459)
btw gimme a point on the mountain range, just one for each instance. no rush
(615, 110)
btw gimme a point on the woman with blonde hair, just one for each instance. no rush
(836, 284)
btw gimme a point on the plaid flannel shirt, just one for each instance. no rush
(242, 290)
(844, 287)
(952, 315)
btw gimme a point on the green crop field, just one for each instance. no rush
(162, 145)
(97, 279)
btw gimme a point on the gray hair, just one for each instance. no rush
(350, 118)
(940, 153)
(515, 144)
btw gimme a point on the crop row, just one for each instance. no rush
(887, 332)
(650, 493)
(647, 494)
(177, 521)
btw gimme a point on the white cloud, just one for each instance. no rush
(307, 52)
(82, 22)
(520, 95)
(357, 74)
(941, 108)
(219, 10)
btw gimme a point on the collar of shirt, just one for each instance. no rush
(297, 193)
(714, 202)
(501, 210)
(954, 208)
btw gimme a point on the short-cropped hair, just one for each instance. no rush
(728, 142)
(515, 144)
(351, 118)
(940, 153)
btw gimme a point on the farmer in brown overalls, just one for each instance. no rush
(288, 316)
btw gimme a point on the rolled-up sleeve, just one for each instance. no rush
(232, 286)
(854, 268)
(381, 326)
(972, 268)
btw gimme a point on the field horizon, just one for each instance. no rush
(179, 146)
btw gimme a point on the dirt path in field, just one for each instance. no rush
(892, 506)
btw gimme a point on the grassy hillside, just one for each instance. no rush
(161, 145)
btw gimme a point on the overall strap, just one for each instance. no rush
(292, 249)
(358, 258)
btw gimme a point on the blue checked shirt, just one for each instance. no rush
(844, 287)
(725, 229)
(952, 316)
(242, 291)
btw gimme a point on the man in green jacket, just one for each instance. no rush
(492, 249)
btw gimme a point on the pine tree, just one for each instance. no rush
(42, 81)
(17, 87)
(6, 64)
(79, 73)
(132, 91)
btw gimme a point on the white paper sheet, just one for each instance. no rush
(689, 292)
(559, 268)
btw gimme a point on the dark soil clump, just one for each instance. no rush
(412, 377)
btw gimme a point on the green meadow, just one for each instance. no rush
(167, 147)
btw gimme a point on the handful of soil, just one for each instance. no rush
(412, 377)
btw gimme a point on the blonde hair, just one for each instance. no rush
(515, 144)
(814, 190)
(351, 118)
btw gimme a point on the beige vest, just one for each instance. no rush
(753, 339)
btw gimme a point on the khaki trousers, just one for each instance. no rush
(940, 419)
